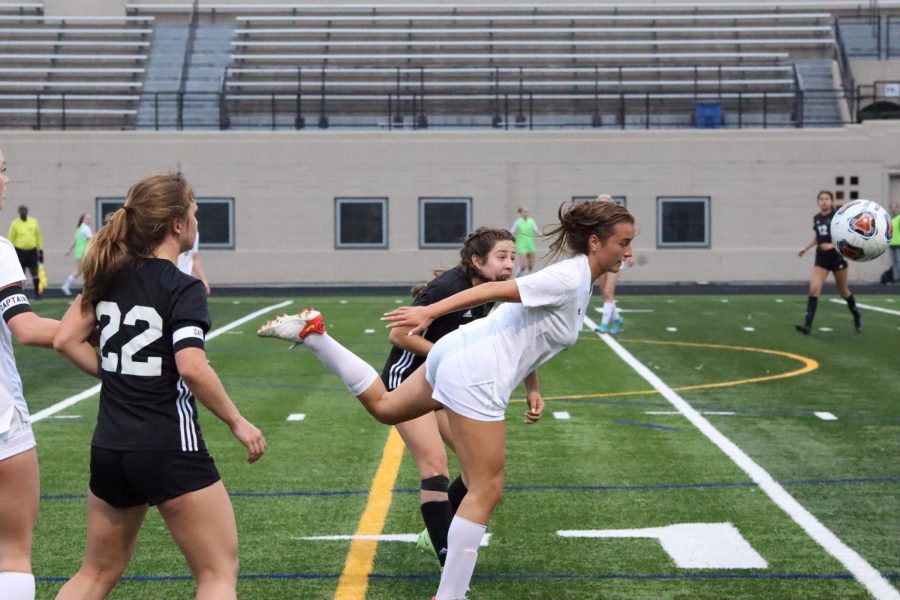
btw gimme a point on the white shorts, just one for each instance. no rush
(19, 437)
(452, 383)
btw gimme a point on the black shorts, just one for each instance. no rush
(28, 259)
(125, 478)
(831, 261)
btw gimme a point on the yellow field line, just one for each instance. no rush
(809, 365)
(361, 557)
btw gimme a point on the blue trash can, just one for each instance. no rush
(708, 115)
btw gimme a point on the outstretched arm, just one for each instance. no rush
(418, 318)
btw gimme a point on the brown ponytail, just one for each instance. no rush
(134, 231)
(578, 222)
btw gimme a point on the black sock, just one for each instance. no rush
(437, 517)
(456, 493)
(36, 288)
(851, 304)
(811, 304)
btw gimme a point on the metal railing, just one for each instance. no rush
(412, 109)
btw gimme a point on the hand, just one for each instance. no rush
(68, 252)
(535, 407)
(206, 288)
(802, 252)
(416, 318)
(251, 437)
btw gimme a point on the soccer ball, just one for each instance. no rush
(861, 230)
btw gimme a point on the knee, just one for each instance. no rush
(224, 570)
(433, 464)
(103, 575)
(488, 493)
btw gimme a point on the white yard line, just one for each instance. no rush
(866, 574)
(91, 391)
(869, 307)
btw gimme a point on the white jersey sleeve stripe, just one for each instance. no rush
(191, 331)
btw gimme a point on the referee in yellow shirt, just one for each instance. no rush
(25, 235)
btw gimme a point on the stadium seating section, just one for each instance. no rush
(417, 65)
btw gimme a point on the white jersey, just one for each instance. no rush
(186, 259)
(519, 337)
(11, 396)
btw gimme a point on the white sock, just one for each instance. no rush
(463, 541)
(608, 308)
(615, 311)
(69, 281)
(16, 586)
(356, 373)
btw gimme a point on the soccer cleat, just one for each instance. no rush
(804, 329)
(65, 289)
(423, 542)
(616, 326)
(293, 328)
(603, 328)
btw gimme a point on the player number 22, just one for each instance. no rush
(152, 366)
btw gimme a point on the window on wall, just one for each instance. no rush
(620, 200)
(444, 222)
(360, 222)
(215, 217)
(682, 222)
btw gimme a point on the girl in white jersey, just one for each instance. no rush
(19, 476)
(472, 371)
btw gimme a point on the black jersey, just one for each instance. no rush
(822, 227)
(149, 313)
(402, 363)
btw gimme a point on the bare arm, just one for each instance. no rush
(30, 329)
(534, 398)
(418, 318)
(71, 339)
(418, 345)
(204, 383)
(199, 274)
(808, 245)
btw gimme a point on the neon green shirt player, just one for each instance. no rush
(526, 231)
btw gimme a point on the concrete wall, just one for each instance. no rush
(762, 186)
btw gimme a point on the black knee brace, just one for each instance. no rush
(438, 483)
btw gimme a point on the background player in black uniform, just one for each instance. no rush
(827, 259)
(487, 255)
(147, 448)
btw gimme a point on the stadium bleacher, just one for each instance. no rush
(414, 65)
(70, 71)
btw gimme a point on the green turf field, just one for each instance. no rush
(624, 460)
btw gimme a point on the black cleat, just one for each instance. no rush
(804, 329)
(857, 322)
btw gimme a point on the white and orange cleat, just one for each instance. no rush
(293, 328)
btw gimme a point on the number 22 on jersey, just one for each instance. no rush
(152, 367)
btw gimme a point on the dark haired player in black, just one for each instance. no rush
(147, 448)
(487, 255)
(828, 259)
